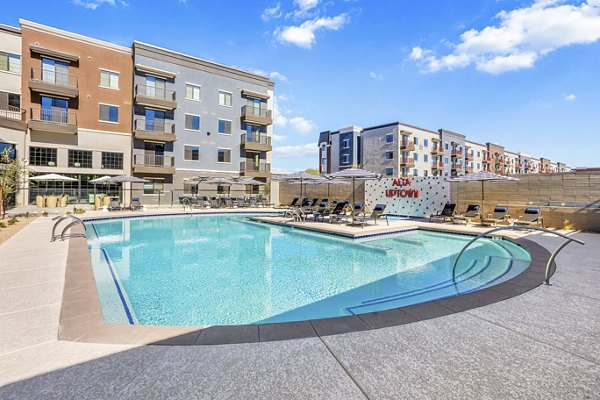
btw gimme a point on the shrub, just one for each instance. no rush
(12, 221)
(2, 225)
(45, 214)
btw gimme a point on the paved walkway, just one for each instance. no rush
(544, 344)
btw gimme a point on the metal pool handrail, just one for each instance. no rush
(522, 228)
(61, 218)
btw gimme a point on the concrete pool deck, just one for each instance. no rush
(541, 344)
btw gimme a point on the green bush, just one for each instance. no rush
(12, 221)
(2, 225)
(45, 214)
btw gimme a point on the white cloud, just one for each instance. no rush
(570, 97)
(278, 119)
(305, 5)
(93, 4)
(304, 34)
(302, 125)
(376, 75)
(522, 37)
(278, 138)
(271, 12)
(278, 76)
(273, 75)
(298, 150)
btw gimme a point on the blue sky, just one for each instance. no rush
(520, 73)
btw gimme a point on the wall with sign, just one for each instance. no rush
(414, 197)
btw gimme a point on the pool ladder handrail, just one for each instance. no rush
(59, 219)
(187, 202)
(549, 272)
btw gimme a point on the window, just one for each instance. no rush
(10, 62)
(389, 155)
(80, 159)
(224, 98)
(425, 172)
(14, 99)
(153, 185)
(156, 87)
(446, 146)
(478, 166)
(446, 160)
(425, 157)
(425, 143)
(478, 154)
(389, 171)
(192, 122)
(7, 147)
(389, 138)
(42, 156)
(225, 126)
(191, 153)
(416, 140)
(54, 110)
(192, 92)
(345, 158)
(324, 160)
(112, 160)
(109, 113)
(109, 79)
(416, 156)
(346, 144)
(224, 155)
(55, 72)
(415, 172)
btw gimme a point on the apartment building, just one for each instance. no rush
(195, 118)
(12, 116)
(76, 92)
(400, 149)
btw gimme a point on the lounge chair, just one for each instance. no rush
(500, 214)
(532, 216)
(214, 202)
(114, 204)
(471, 214)
(135, 204)
(253, 202)
(323, 207)
(357, 210)
(228, 202)
(445, 215)
(241, 202)
(332, 214)
(294, 202)
(375, 215)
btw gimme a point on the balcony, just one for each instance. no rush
(457, 153)
(407, 162)
(256, 142)
(53, 120)
(12, 117)
(469, 170)
(407, 145)
(54, 83)
(256, 115)
(151, 96)
(437, 166)
(154, 130)
(257, 170)
(457, 167)
(437, 151)
(469, 156)
(153, 164)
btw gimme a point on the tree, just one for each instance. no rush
(12, 174)
(312, 171)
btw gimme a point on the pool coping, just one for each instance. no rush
(81, 318)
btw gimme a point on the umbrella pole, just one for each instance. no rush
(482, 197)
(353, 193)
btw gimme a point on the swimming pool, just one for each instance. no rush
(206, 270)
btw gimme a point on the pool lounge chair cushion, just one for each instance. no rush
(471, 214)
(500, 214)
(114, 204)
(531, 217)
(135, 204)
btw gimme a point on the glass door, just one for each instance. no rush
(54, 110)
(55, 72)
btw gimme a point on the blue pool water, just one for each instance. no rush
(224, 269)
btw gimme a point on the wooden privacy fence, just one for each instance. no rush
(566, 200)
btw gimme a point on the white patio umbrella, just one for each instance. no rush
(220, 181)
(103, 179)
(301, 177)
(53, 178)
(482, 177)
(126, 179)
(354, 174)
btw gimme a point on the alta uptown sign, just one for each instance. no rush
(401, 188)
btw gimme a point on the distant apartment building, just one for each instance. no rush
(76, 92)
(12, 116)
(195, 118)
(399, 149)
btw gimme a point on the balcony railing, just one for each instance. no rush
(251, 166)
(154, 92)
(437, 150)
(457, 153)
(407, 145)
(12, 112)
(154, 160)
(457, 167)
(256, 139)
(469, 156)
(407, 161)
(53, 77)
(154, 126)
(53, 116)
(251, 111)
(437, 165)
